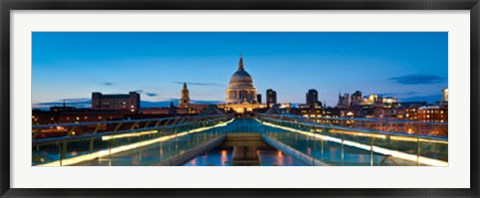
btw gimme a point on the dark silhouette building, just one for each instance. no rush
(271, 98)
(343, 101)
(356, 98)
(259, 98)
(312, 98)
(123, 102)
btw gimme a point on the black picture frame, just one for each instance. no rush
(9, 5)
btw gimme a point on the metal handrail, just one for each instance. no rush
(97, 135)
(403, 134)
(116, 121)
(356, 119)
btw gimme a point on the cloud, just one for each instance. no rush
(147, 93)
(416, 79)
(427, 98)
(73, 100)
(107, 83)
(200, 84)
(151, 94)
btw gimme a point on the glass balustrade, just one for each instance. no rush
(359, 146)
(109, 148)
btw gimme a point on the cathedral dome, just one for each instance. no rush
(241, 79)
(240, 89)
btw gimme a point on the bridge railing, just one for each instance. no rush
(419, 148)
(116, 126)
(78, 142)
(390, 125)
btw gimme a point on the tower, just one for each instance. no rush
(185, 99)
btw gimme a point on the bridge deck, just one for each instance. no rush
(322, 147)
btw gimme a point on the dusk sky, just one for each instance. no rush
(71, 65)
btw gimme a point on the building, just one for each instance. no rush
(356, 98)
(445, 95)
(241, 95)
(444, 100)
(312, 99)
(185, 97)
(240, 89)
(432, 114)
(325, 112)
(123, 102)
(404, 105)
(372, 99)
(389, 102)
(343, 101)
(271, 98)
(259, 98)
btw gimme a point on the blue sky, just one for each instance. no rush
(71, 65)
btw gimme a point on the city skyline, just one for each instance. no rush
(408, 66)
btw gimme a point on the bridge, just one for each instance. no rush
(229, 139)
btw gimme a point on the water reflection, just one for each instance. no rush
(216, 157)
(223, 157)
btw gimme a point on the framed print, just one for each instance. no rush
(243, 98)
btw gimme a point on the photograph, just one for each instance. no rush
(239, 98)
